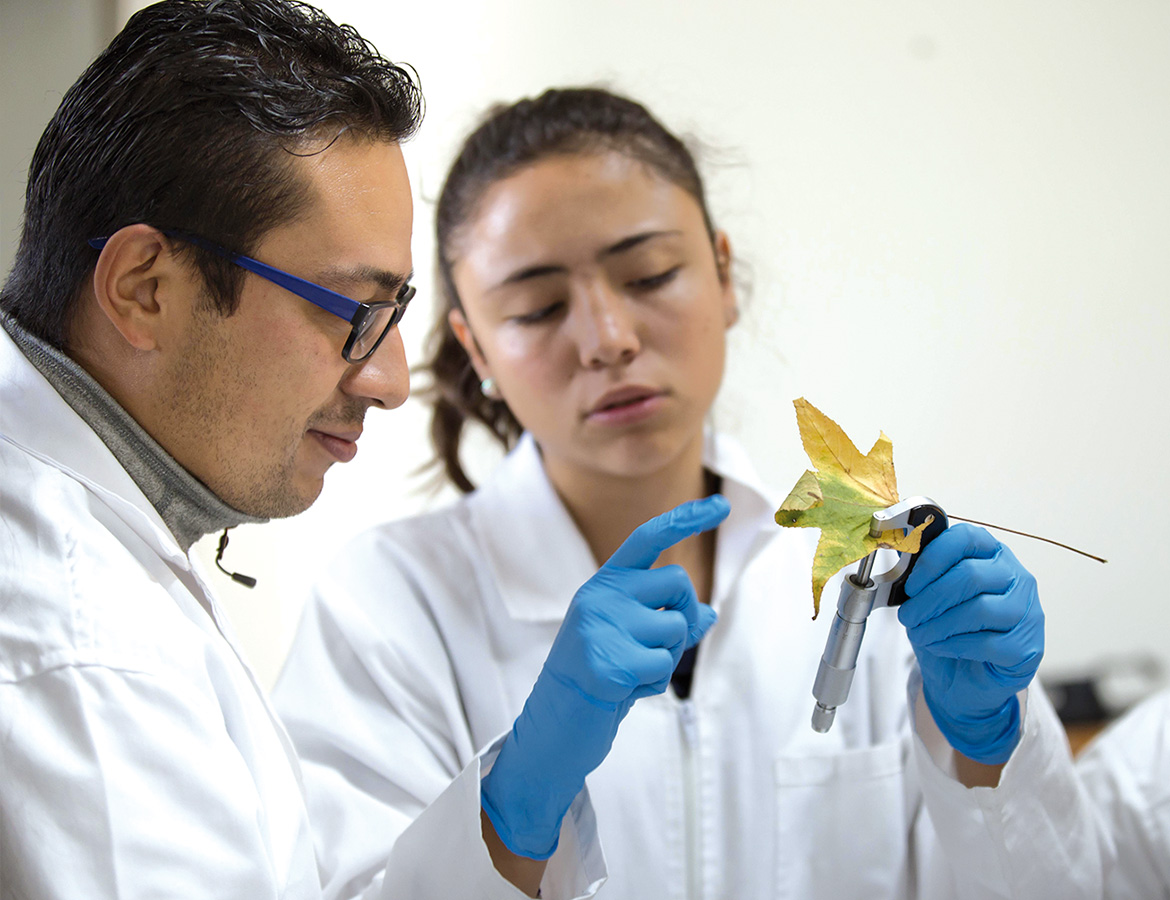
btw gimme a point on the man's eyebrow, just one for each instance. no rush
(620, 247)
(388, 281)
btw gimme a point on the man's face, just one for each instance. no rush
(258, 405)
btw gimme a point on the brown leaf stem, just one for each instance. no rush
(1027, 535)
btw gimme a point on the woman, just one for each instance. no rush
(588, 298)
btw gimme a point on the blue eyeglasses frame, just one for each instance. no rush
(360, 315)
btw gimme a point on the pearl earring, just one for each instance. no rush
(488, 388)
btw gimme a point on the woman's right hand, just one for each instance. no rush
(621, 639)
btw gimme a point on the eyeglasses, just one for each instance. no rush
(370, 322)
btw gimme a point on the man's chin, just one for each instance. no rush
(294, 505)
(292, 501)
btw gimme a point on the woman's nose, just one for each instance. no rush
(607, 327)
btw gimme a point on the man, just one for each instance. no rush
(216, 250)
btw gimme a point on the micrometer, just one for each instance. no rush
(861, 593)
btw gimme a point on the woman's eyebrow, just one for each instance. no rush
(622, 246)
(634, 240)
(530, 272)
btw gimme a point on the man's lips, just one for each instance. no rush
(341, 443)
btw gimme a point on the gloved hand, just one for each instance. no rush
(620, 640)
(974, 619)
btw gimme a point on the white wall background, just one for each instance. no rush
(955, 218)
(44, 45)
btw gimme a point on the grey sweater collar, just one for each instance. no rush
(187, 506)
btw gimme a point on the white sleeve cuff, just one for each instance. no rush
(442, 854)
(1034, 834)
(932, 741)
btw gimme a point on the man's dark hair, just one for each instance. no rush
(190, 120)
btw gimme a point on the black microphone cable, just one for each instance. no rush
(246, 580)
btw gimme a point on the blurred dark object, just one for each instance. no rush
(1103, 689)
(1077, 701)
(1091, 697)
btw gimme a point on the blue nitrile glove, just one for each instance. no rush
(974, 619)
(620, 640)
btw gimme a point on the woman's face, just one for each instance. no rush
(593, 296)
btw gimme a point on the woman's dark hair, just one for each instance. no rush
(190, 120)
(558, 122)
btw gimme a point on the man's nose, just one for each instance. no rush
(384, 377)
(606, 326)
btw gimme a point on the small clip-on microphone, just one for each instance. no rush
(246, 580)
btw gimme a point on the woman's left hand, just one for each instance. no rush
(974, 619)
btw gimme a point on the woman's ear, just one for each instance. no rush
(722, 247)
(462, 332)
(133, 283)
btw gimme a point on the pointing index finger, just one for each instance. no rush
(641, 549)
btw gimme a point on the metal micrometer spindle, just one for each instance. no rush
(861, 593)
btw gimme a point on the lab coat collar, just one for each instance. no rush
(34, 417)
(517, 511)
(752, 521)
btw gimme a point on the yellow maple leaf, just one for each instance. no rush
(841, 496)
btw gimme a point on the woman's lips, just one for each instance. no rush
(342, 446)
(626, 406)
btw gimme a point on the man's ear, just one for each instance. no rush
(136, 283)
(722, 247)
(462, 332)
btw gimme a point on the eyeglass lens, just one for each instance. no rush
(375, 326)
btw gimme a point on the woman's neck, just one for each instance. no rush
(606, 508)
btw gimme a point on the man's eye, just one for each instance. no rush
(655, 281)
(539, 315)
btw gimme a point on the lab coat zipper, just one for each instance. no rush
(690, 765)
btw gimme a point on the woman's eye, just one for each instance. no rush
(655, 281)
(538, 315)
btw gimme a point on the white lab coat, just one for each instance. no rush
(138, 756)
(427, 635)
(1127, 772)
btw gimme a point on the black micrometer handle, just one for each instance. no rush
(918, 515)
